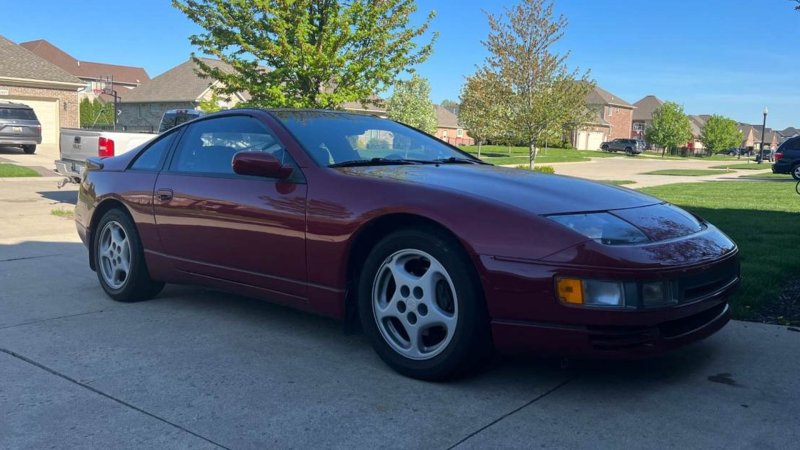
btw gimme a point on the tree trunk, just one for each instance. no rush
(663, 151)
(479, 147)
(532, 154)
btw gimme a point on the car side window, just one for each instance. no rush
(151, 157)
(208, 146)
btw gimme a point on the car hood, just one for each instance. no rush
(533, 192)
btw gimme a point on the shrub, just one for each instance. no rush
(541, 169)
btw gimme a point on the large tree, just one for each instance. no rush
(540, 93)
(307, 53)
(411, 104)
(720, 133)
(481, 113)
(670, 127)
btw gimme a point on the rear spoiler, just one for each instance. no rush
(94, 163)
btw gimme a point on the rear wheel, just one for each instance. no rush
(119, 260)
(796, 172)
(29, 149)
(421, 306)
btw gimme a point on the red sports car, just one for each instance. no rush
(439, 257)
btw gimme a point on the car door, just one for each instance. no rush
(217, 225)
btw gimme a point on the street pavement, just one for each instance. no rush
(196, 368)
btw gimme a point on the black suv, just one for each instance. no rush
(19, 126)
(787, 158)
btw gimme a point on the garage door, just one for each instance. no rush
(590, 140)
(47, 112)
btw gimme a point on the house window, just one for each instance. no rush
(638, 126)
(459, 132)
(610, 111)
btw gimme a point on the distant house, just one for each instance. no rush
(751, 137)
(612, 118)
(697, 122)
(449, 129)
(94, 75)
(643, 115)
(51, 91)
(181, 87)
(787, 134)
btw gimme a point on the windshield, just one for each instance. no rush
(173, 119)
(333, 138)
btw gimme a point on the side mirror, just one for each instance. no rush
(260, 164)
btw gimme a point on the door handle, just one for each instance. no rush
(164, 195)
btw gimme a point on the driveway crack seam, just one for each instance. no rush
(34, 322)
(22, 258)
(514, 411)
(108, 396)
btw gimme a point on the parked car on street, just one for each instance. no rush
(629, 146)
(292, 206)
(787, 158)
(766, 154)
(19, 127)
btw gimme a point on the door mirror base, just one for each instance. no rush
(260, 164)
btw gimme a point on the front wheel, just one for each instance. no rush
(119, 260)
(29, 149)
(422, 307)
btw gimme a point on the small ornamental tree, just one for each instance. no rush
(720, 133)
(670, 127)
(411, 104)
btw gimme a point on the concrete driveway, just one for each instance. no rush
(196, 368)
(628, 168)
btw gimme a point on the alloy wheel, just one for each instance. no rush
(414, 304)
(114, 255)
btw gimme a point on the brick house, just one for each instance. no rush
(612, 119)
(643, 115)
(181, 87)
(449, 130)
(94, 75)
(45, 87)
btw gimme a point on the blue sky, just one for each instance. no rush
(713, 56)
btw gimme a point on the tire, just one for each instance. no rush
(119, 260)
(450, 293)
(29, 149)
(796, 172)
(628, 151)
(604, 148)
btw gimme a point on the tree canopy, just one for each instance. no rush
(670, 127)
(538, 92)
(720, 133)
(411, 104)
(307, 53)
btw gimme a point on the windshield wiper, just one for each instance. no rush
(373, 162)
(454, 160)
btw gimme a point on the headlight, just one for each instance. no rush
(602, 227)
(574, 291)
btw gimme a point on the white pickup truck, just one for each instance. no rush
(77, 144)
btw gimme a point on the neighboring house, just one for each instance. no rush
(612, 119)
(751, 137)
(45, 87)
(95, 76)
(448, 128)
(697, 122)
(181, 87)
(787, 134)
(643, 115)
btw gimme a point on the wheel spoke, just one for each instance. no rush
(401, 276)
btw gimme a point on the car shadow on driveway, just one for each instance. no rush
(70, 197)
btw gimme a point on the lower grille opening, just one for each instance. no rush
(682, 326)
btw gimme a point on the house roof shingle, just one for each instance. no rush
(599, 96)
(19, 62)
(182, 83)
(86, 69)
(646, 107)
(445, 118)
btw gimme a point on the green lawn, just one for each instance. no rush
(688, 172)
(742, 166)
(616, 182)
(500, 155)
(768, 176)
(10, 170)
(762, 219)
